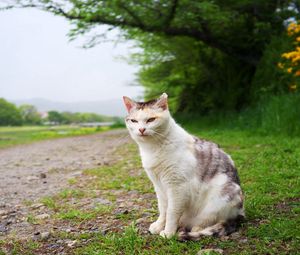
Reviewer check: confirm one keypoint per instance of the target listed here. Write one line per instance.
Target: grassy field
(10, 136)
(269, 168)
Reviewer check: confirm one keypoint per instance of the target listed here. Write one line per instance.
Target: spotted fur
(196, 182)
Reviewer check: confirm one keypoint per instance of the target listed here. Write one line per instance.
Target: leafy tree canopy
(9, 114)
(30, 114)
(204, 53)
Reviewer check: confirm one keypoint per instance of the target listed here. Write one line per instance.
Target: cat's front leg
(176, 206)
(157, 226)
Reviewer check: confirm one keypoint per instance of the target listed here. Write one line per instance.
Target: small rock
(3, 212)
(140, 220)
(32, 178)
(45, 235)
(121, 205)
(3, 228)
(244, 240)
(36, 206)
(235, 235)
(42, 216)
(78, 173)
(43, 175)
(106, 163)
(209, 251)
(71, 243)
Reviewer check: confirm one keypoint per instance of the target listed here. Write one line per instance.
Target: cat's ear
(162, 102)
(129, 103)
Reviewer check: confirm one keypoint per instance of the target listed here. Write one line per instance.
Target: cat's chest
(173, 160)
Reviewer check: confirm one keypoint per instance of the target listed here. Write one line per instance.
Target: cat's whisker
(164, 137)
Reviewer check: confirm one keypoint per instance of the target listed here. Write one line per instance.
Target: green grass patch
(10, 136)
(269, 169)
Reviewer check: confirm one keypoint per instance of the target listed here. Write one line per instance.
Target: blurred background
(233, 64)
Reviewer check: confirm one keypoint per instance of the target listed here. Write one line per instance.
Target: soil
(30, 172)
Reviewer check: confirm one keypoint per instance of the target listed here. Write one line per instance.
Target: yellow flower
(297, 73)
(289, 70)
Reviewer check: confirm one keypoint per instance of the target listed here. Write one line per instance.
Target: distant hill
(113, 107)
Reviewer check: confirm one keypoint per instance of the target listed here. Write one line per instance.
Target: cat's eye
(133, 120)
(150, 120)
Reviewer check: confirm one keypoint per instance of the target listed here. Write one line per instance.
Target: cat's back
(212, 161)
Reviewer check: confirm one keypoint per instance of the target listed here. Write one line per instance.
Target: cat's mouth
(143, 135)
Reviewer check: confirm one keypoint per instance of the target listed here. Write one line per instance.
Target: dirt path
(29, 172)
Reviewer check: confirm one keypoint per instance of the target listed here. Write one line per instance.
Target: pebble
(32, 178)
(140, 220)
(36, 206)
(71, 243)
(235, 235)
(3, 228)
(3, 212)
(45, 235)
(42, 216)
(245, 240)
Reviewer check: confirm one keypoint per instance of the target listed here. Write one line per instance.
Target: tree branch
(203, 34)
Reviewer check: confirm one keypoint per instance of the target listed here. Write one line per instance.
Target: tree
(30, 114)
(232, 35)
(9, 114)
(56, 117)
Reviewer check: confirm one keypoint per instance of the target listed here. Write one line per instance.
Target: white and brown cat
(196, 183)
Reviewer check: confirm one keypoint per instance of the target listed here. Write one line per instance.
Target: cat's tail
(217, 230)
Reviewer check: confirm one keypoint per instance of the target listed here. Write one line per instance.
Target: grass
(269, 168)
(278, 115)
(10, 136)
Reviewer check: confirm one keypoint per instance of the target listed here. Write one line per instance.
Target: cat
(196, 183)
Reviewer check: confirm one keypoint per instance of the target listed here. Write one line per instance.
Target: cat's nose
(142, 130)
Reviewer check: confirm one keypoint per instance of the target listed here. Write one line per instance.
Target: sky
(38, 61)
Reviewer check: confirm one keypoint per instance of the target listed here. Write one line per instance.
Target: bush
(271, 115)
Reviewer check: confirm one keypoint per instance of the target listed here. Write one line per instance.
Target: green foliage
(21, 135)
(9, 114)
(77, 117)
(30, 115)
(269, 78)
(278, 115)
(56, 117)
(208, 55)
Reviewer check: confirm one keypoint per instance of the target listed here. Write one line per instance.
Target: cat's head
(147, 120)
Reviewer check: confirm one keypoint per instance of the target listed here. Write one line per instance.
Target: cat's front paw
(156, 227)
(167, 234)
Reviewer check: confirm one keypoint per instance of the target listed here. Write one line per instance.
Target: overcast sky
(37, 61)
